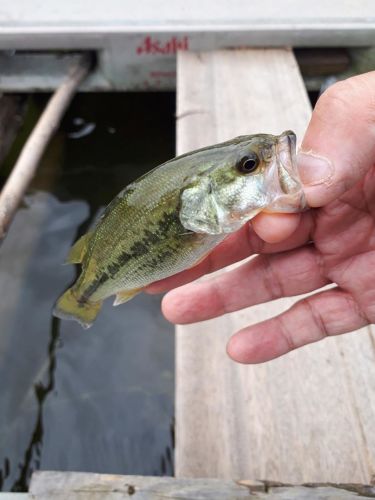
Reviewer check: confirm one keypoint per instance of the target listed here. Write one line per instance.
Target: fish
(172, 217)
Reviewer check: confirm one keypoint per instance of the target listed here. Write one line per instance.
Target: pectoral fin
(78, 250)
(125, 295)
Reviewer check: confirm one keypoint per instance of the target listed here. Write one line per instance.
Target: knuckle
(317, 319)
(336, 99)
(219, 299)
(353, 305)
(271, 279)
(287, 334)
(355, 95)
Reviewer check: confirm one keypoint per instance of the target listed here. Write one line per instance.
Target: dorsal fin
(78, 250)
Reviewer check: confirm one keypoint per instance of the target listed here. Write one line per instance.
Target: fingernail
(314, 169)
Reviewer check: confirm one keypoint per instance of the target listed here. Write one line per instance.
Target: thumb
(339, 145)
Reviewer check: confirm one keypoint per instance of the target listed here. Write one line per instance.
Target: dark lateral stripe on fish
(91, 289)
(137, 250)
(150, 238)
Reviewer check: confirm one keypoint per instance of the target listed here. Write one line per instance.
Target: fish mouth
(286, 162)
(289, 196)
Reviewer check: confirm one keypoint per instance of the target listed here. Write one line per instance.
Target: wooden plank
(91, 486)
(14, 496)
(87, 486)
(307, 416)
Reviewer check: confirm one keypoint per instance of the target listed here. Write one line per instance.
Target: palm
(344, 238)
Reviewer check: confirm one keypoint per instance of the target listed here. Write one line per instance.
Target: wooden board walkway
(86, 486)
(309, 416)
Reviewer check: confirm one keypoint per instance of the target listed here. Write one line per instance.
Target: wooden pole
(27, 163)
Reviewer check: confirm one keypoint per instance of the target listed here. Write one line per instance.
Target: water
(99, 400)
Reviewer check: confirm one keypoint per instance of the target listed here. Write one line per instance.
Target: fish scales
(131, 263)
(170, 218)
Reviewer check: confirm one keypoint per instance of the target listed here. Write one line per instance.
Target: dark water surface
(97, 400)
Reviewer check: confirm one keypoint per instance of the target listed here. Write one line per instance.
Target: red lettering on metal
(153, 46)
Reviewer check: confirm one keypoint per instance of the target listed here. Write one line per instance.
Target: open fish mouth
(288, 195)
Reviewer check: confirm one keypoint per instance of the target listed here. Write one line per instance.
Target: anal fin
(78, 250)
(125, 295)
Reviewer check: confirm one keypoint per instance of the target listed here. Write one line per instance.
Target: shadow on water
(71, 400)
(31, 459)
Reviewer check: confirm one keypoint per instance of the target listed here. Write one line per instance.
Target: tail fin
(68, 307)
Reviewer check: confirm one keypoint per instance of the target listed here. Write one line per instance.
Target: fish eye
(248, 163)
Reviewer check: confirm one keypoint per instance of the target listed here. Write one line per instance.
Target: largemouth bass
(172, 217)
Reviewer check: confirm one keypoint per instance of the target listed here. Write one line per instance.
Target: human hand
(333, 242)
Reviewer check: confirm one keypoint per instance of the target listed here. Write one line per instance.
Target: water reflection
(32, 455)
(98, 400)
(82, 128)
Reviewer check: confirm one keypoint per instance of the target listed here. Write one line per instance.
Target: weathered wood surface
(85, 486)
(309, 416)
(14, 496)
